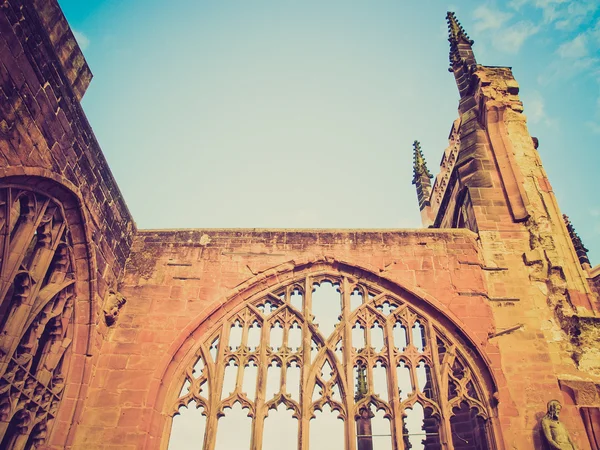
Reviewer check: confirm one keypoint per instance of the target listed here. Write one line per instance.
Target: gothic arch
(47, 307)
(193, 345)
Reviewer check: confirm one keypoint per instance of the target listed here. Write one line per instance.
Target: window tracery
(37, 295)
(419, 388)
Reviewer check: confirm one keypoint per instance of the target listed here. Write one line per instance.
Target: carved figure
(555, 432)
(112, 305)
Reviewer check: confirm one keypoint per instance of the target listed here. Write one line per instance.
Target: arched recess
(46, 309)
(464, 215)
(420, 348)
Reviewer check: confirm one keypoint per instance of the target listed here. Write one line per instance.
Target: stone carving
(112, 306)
(37, 296)
(555, 432)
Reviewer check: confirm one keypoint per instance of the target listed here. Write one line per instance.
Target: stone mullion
(284, 360)
(22, 239)
(245, 350)
(305, 396)
(369, 354)
(245, 329)
(348, 365)
(442, 391)
(5, 237)
(259, 405)
(215, 389)
(392, 378)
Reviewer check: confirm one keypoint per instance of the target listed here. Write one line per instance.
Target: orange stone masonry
(102, 323)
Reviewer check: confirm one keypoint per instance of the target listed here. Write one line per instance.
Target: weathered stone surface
(499, 272)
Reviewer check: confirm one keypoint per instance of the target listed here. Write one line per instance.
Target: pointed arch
(50, 326)
(382, 294)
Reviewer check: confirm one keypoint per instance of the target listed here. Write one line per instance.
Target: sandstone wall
(44, 132)
(176, 279)
(47, 146)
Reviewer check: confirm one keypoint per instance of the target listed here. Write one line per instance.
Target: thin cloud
(535, 109)
(489, 19)
(512, 38)
(577, 13)
(593, 126)
(576, 48)
(560, 70)
(81, 39)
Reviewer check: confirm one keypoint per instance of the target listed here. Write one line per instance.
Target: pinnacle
(577, 242)
(419, 164)
(455, 30)
(459, 54)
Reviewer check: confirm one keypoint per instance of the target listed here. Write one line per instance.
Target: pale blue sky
(302, 113)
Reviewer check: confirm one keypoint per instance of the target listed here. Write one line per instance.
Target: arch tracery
(409, 360)
(37, 300)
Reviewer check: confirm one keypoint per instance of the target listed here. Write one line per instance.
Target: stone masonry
(101, 323)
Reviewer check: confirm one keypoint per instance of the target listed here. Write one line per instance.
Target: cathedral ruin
(479, 331)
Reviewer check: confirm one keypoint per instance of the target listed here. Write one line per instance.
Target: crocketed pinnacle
(579, 247)
(457, 36)
(419, 165)
(361, 384)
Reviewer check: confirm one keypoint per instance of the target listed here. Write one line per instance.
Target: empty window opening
(281, 429)
(234, 429)
(326, 306)
(273, 380)
(326, 430)
(235, 336)
(229, 380)
(377, 341)
(250, 376)
(188, 428)
(276, 336)
(400, 339)
(254, 336)
(296, 299)
(356, 299)
(418, 336)
(295, 337)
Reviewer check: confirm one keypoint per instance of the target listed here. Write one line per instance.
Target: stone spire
(579, 247)
(462, 59)
(421, 176)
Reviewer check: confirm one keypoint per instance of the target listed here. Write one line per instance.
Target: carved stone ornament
(37, 297)
(112, 306)
(554, 431)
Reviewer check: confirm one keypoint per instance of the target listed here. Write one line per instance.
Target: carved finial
(456, 32)
(419, 164)
(421, 176)
(579, 247)
(361, 382)
(462, 59)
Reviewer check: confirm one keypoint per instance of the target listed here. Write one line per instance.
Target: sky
(301, 114)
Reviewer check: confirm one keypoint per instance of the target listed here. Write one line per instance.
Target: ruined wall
(48, 147)
(176, 279)
(536, 284)
(44, 132)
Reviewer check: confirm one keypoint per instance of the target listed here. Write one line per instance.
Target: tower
(492, 181)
